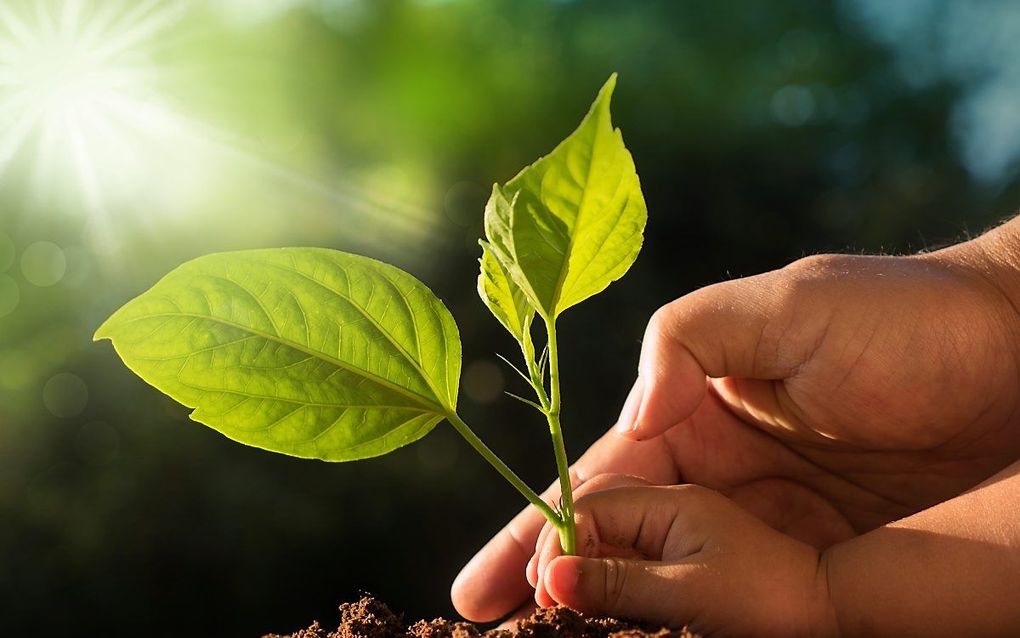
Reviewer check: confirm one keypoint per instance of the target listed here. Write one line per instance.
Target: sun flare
(88, 120)
(76, 93)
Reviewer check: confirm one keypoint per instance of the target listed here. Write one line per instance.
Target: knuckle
(577, 476)
(659, 321)
(698, 306)
(814, 266)
(601, 482)
(607, 486)
(583, 502)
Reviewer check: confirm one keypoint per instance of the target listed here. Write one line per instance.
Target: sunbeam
(68, 72)
(81, 109)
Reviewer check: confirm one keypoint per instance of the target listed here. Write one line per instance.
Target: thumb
(728, 329)
(647, 590)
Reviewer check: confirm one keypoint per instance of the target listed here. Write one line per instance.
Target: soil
(370, 618)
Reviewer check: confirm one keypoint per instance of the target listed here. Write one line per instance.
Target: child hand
(685, 555)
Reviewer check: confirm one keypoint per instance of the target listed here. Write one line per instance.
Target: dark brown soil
(369, 618)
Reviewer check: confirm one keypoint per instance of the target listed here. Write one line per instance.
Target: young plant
(322, 354)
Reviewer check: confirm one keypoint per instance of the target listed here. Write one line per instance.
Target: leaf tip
(102, 332)
(605, 95)
(611, 82)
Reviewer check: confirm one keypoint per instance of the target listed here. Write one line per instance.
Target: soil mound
(370, 618)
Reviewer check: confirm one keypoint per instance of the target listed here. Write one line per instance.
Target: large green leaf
(576, 216)
(305, 351)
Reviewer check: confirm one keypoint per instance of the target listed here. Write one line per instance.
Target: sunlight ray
(22, 34)
(15, 136)
(44, 22)
(141, 30)
(45, 157)
(95, 28)
(91, 188)
(69, 17)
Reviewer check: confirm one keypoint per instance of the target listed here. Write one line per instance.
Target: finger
(493, 583)
(656, 522)
(553, 548)
(650, 591)
(728, 329)
(547, 529)
(531, 571)
(549, 550)
(549, 541)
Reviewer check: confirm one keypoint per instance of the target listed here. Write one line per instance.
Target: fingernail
(628, 415)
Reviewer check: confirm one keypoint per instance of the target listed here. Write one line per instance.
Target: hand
(843, 392)
(686, 555)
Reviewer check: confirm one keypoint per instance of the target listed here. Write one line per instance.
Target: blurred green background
(136, 135)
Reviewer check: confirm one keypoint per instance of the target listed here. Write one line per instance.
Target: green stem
(465, 431)
(568, 539)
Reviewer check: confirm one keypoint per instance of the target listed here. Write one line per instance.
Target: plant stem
(568, 539)
(465, 431)
(535, 378)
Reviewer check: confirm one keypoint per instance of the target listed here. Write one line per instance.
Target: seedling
(322, 354)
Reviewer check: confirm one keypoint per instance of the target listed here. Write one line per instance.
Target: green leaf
(576, 216)
(305, 351)
(503, 296)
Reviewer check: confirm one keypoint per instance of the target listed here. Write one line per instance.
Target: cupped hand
(826, 398)
(686, 555)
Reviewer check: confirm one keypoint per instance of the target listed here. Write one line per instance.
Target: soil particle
(440, 628)
(369, 618)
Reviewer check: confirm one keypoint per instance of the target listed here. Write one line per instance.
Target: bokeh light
(43, 263)
(483, 381)
(65, 395)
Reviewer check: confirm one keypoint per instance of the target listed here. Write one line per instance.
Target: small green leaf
(498, 212)
(576, 216)
(304, 351)
(503, 296)
(497, 226)
(513, 367)
(525, 401)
